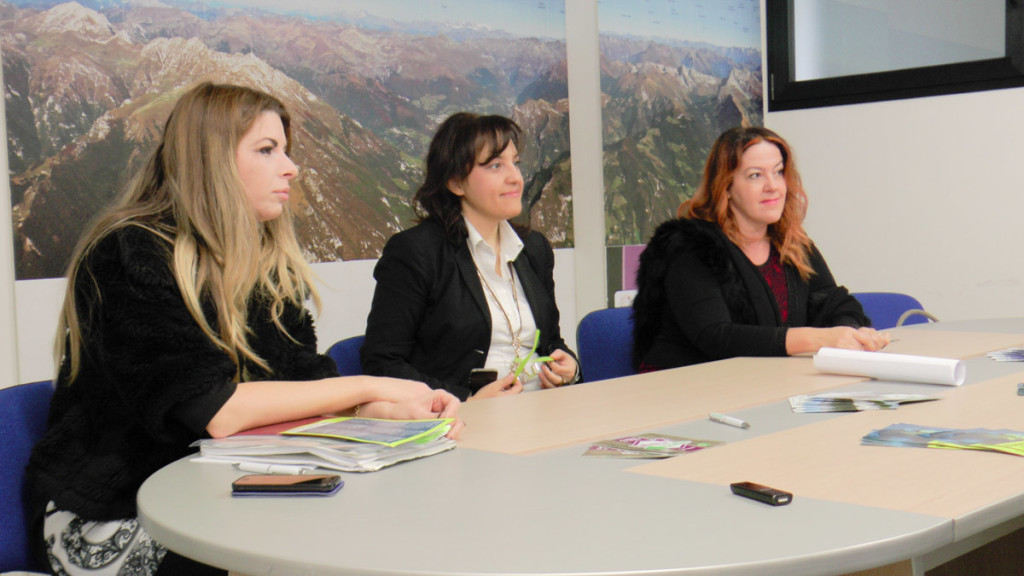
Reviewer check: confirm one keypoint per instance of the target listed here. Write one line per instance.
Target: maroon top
(775, 275)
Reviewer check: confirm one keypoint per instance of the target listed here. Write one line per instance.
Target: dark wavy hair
(711, 200)
(454, 150)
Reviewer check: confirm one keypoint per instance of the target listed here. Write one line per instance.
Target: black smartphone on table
(761, 493)
(287, 485)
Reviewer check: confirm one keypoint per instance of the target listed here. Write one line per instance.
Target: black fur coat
(700, 299)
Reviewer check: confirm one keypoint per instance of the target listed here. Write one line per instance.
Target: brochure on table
(369, 444)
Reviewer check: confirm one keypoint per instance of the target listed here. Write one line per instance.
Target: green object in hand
(522, 363)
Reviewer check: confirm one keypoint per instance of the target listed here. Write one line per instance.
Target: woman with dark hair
(184, 318)
(735, 274)
(462, 296)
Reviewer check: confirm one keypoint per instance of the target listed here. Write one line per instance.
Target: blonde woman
(183, 319)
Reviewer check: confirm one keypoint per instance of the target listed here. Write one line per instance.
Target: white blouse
(506, 301)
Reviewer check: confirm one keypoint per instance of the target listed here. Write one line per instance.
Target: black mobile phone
(761, 493)
(287, 485)
(479, 377)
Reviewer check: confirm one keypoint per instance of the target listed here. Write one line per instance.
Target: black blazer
(429, 320)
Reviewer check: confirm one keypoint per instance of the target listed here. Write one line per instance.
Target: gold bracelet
(356, 413)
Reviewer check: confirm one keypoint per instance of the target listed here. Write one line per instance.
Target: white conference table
(517, 497)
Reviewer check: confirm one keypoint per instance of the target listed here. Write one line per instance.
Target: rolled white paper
(885, 366)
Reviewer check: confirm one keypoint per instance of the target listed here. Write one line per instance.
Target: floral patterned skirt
(116, 548)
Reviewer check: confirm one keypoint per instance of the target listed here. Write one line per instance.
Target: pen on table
(729, 420)
(272, 468)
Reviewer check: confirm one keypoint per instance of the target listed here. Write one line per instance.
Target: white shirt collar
(508, 241)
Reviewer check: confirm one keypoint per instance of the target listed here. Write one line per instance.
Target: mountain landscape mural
(674, 75)
(88, 85)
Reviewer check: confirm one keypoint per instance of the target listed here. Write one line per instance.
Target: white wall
(587, 167)
(8, 328)
(923, 196)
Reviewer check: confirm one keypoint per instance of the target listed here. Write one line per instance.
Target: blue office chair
(346, 355)
(23, 411)
(892, 309)
(605, 342)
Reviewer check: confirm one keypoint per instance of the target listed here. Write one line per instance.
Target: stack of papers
(1007, 355)
(852, 402)
(344, 444)
(374, 431)
(1005, 441)
(648, 446)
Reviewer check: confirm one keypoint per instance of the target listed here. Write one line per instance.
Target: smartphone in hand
(480, 377)
(287, 485)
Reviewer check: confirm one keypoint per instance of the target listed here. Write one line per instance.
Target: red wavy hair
(711, 200)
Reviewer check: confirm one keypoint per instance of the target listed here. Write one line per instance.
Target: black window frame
(785, 93)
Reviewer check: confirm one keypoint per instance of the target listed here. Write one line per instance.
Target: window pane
(845, 37)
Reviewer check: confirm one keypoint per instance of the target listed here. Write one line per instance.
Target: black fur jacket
(700, 299)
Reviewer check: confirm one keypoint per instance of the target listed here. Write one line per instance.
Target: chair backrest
(605, 342)
(346, 355)
(886, 308)
(23, 411)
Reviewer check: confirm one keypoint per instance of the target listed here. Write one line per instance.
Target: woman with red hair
(736, 274)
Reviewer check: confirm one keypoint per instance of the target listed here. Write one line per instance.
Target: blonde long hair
(190, 194)
(711, 200)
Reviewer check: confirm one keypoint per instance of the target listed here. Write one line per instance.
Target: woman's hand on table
(426, 406)
(863, 338)
(809, 340)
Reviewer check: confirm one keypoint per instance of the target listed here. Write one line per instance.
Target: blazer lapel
(531, 287)
(467, 268)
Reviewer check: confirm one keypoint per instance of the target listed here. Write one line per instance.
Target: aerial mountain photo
(674, 75)
(88, 84)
